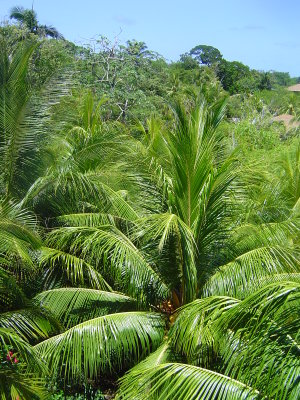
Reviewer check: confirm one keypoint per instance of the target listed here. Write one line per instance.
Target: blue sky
(264, 34)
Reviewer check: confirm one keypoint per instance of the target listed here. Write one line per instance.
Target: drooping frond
(18, 236)
(253, 285)
(48, 30)
(11, 296)
(24, 119)
(256, 339)
(75, 269)
(87, 219)
(65, 190)
(124, 262)
(107, 343)
(32, 324)
(262, 347)
(17, 13)
(75, 305)
(113, 207)
(252, 266)
(29, 355)
(14, 386)
(182, 382)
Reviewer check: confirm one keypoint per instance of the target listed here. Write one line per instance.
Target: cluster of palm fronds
(155, 253)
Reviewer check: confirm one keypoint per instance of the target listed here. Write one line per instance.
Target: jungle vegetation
(149, 230)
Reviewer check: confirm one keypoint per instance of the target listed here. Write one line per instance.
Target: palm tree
(169, 279)
(24, 119)
(191, 269)
(28, 19)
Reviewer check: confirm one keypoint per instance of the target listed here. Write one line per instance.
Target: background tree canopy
(207, 55)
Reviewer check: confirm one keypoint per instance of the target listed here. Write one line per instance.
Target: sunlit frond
(184, 382)
(252, 266)
(75, 305)
(192, 334)
(124, 262)
(31, 324)
(107, 343)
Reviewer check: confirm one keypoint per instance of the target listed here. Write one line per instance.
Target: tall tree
(207, 55)
(28, 19)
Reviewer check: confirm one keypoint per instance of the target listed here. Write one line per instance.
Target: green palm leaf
(18, 236)
(124, 262)
(182, 382)
(256, 338)
(14, 386)
(75, 269)
(264, 349)
(163, 228)
(107, 343)
(75, 305)
(11, 296)
(192, 334)
(31, 324)
(32, 362)
(26, 381)
(22, 119)
(252, 266)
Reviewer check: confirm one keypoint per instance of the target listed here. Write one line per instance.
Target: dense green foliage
(149, 223)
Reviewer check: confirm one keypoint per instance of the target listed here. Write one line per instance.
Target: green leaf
(124, 262)
(31, 324)
(105, 344)
(75, 305)
(250, 267)
(182, 382)
(76, 269)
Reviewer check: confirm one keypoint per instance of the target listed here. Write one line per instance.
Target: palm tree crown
(28, 18)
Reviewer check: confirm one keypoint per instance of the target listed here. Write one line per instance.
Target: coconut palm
(25, 129)
(28, 19)
(193, 252)
(176, 272)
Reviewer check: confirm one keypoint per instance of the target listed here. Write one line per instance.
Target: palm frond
(75, 305)
(192, 334)
(107, 343)
(254, 340)
(18, 236)
(124, 262)
(75, 269)
(26, 382)
(31, 324)
(263, 347)
(11, 296)
(183, 382)
(252, 266)
(14, 386)
(164, 354)
(30, 358)
(162, 228)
